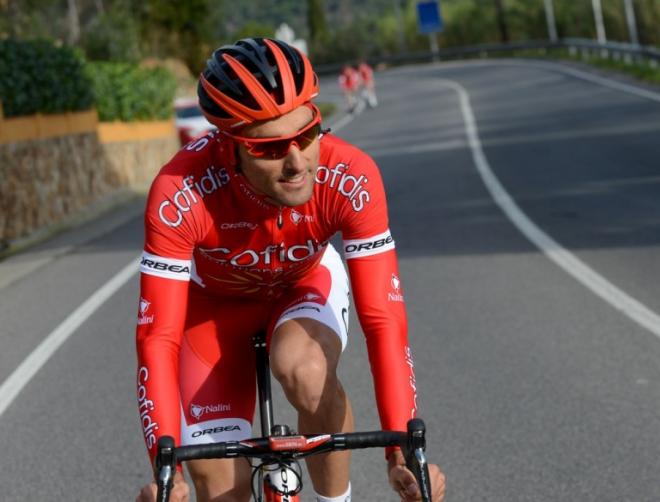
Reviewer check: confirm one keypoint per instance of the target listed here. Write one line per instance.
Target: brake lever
(414, 452)
(165, 466)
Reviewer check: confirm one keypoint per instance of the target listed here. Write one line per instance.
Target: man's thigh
(217, 368)
(322, 297)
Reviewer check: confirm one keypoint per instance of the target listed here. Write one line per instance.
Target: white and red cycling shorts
(217, 360)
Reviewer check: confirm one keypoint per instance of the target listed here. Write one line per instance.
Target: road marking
(617, 298)
(32, 364)
(346, 119)
(544, 65)
(612, 84)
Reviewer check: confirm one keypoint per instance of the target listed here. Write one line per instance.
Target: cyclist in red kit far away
(368, 84)
(237, 230)
(349, 82)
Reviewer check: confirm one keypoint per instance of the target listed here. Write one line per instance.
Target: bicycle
(279, 475)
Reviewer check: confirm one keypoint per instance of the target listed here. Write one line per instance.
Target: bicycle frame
(274, 484)
(277, 447)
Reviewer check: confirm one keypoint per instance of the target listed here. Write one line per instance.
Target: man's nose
(294, 159)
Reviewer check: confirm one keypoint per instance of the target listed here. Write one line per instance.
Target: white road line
(543, 65)
(32, 364)
(612, 84)
(617, 298)
(346, 119)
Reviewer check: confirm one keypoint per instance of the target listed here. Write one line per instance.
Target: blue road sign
(428, 17)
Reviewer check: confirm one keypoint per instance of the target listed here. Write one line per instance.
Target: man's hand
(180, 491)
(403, 481)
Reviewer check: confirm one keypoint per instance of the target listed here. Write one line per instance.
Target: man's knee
(304, 357)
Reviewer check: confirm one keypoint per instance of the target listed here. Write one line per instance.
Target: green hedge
(127, 92)
(36, 77)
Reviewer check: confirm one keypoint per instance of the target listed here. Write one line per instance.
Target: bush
(37, 77)
(128, 93)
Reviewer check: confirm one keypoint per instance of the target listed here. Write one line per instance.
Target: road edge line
(579, 270)
(31, 365)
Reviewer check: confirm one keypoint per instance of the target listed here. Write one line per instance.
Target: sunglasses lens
(271, 149)
(277, 149)
(307, 137)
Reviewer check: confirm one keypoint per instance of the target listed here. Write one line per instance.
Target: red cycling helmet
(254, 79)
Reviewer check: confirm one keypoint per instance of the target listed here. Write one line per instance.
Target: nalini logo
(297, 217)
(309, 297)
(144, 306)
(396, 296)
(197, 411)
(144, 318)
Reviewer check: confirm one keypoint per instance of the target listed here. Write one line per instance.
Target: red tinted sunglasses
(277, 148)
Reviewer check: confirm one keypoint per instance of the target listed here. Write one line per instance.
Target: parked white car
(189, 120)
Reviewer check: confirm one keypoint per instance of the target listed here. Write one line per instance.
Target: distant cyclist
(368, 84)
(237, 230)
(349, 82)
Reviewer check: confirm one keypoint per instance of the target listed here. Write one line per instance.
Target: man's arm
(161, 319)
(378, 297)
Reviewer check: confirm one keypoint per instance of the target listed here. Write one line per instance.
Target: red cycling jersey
(204, 223)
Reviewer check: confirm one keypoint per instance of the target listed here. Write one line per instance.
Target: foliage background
(121, 37)
(38, 77)
(336, 30)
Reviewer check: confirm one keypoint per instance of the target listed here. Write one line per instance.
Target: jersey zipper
(276, 238)
(280, 219)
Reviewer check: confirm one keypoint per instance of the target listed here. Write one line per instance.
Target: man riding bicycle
(237, 229)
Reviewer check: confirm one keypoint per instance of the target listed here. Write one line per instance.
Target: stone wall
(45, 182)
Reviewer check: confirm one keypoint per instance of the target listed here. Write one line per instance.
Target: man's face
(288, 181)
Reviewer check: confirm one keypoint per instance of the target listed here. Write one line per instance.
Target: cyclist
(237, 229)
(368, 84)
(349, 82)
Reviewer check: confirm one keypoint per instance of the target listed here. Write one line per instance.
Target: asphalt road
(534, 386)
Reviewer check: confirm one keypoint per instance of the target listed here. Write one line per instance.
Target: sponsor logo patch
(171, 210)
(395, 295)
(143, 318)
(198, 411)
(412, 381)
(380, 243)
(216, 430)
(145, 407)
(354, 189)
(297, 217)
(170, 268)
(265, 257)
(238, 226)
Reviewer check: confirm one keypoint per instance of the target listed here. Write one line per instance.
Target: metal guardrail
(616, 50)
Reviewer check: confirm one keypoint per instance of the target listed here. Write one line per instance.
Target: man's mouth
(294, 180)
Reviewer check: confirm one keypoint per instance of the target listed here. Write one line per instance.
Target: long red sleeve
(379, 303)
(159, 333)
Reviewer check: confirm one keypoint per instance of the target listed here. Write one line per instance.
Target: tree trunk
(501, 21)
(74, 23)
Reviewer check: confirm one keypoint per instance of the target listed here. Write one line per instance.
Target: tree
(177, 29)
(501, 21)
(318, 29)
